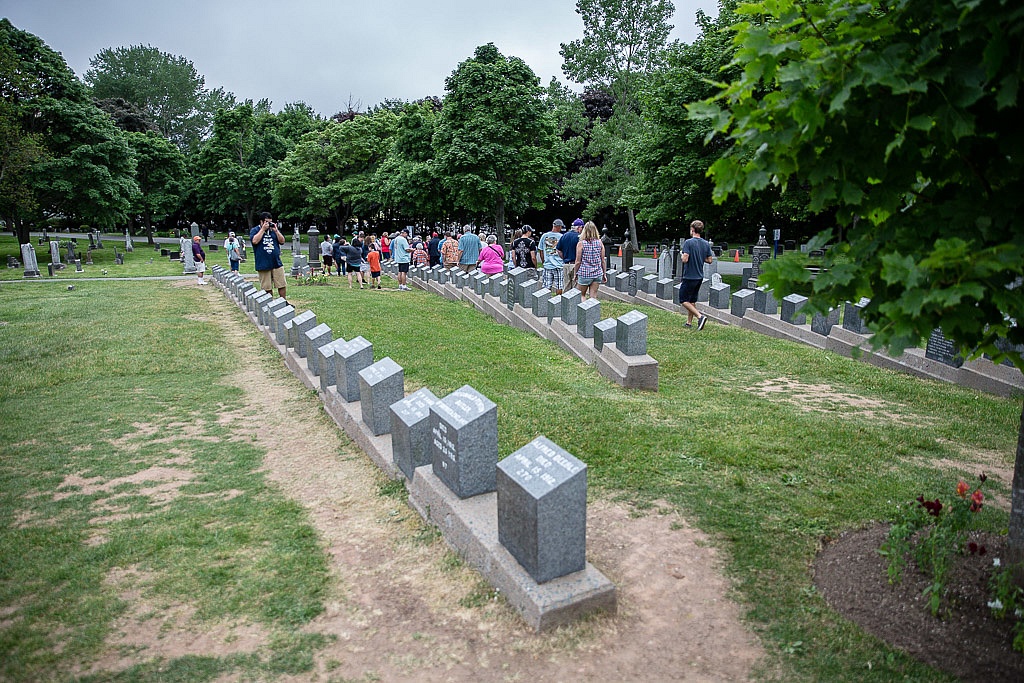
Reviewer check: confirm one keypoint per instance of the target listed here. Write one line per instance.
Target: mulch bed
(965, 640)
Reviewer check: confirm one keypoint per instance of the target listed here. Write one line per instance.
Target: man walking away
(696, 252)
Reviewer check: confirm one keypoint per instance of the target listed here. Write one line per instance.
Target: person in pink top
(492, 257)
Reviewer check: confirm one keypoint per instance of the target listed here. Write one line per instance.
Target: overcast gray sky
(321, 52)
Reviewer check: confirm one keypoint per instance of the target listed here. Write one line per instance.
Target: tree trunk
(632, 230)
(1015, 539)
(22, 230)
(149, 228)
(499, 217)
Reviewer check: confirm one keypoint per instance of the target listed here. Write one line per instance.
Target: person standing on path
(589, 262)
(696, 252)
(233, 247)
(449, 251)
(492, 257)
(266, 241)
(551, 260)
(401, 255)
(327, 253)
(200, 258)
(524, 250)
(567, 250)
(469, 249)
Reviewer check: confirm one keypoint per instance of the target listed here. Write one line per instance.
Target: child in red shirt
(373, 258)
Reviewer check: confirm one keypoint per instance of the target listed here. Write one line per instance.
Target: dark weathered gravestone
(790, 312)
(604, 332)
(410, 431)
(631, 334)
(542, 509)
(315, 338)
(633, 284)
(761, 253)
(349, 359)
(569, 301)
(380, 385)
(851, 317)
(741, 301)
(823, 324)
(464, 442)
(588, 313)
(942, 349)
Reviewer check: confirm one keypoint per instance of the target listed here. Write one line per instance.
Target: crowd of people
(567, 258)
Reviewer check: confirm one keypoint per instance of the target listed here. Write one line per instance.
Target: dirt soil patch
(966, 641)
(403, 608)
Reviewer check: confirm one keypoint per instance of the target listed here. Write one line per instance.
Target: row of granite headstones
(31, 262)
(541, 488)
(521, 286)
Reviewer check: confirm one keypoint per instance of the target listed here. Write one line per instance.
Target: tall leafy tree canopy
(623, 43)
(495, 139)
(167, 87)
(59, 154)
(905, 116)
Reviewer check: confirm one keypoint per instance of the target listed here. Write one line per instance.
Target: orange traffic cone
(655, 252)
(620, 252)
(737, 258)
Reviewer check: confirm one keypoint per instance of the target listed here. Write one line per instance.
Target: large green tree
(407, 178)
(495, 141)
(331, 172)
(672, 160)
(905, 117)
(167, 87)
(61, 154)
(160, 175)
(623, 42)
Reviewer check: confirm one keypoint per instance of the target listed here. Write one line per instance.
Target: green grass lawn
(767, 476)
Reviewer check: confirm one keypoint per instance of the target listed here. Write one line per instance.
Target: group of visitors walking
(573, 257)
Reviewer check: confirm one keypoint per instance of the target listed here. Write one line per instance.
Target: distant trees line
(141, 143)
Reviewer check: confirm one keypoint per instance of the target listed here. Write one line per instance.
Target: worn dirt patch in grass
(824, 398)
(402, 607)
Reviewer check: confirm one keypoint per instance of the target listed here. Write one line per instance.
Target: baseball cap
(337, 237)
(578, 223)
(559, 223)
(231, 234)
(527, 228)
(404, 231)
(197, 238)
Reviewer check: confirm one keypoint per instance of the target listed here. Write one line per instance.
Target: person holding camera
(266, 241)
(233, 247)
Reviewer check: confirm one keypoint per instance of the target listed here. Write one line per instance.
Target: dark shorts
(328, 260)
(688, 291)
(351, 269)
(403, 267)
(375, 274)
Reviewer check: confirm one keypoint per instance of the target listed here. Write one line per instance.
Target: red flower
(977, 498)
(962, 488)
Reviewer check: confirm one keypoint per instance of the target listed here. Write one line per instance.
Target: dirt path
(404, 609)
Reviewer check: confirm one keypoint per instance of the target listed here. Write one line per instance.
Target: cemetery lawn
(124, 473)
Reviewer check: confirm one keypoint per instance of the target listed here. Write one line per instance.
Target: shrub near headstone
(464, 442)
(542, 509)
